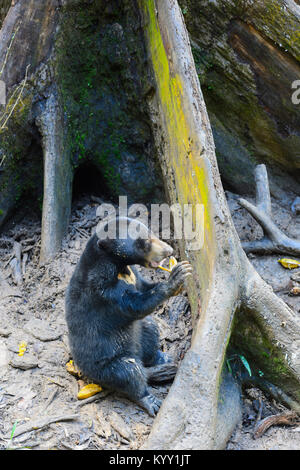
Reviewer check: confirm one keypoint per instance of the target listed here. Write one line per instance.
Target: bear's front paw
(178, 275)
(151, 404)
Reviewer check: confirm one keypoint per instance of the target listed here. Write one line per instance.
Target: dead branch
(96, 397)
(41, 423)
(79, 447)
(50, 399)
(161, 373)
(274, 240)
(289, 418)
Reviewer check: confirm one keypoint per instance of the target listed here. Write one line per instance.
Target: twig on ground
(50, 399)
(78, 447)
(82, 232)
(98, 396)
(289, 418)
(41, 423)
(56, 382)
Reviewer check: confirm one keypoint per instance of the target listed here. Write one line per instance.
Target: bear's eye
(147, 246)
(140, 243)
(143, 245)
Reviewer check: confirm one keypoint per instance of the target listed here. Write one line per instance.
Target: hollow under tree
(237, 307)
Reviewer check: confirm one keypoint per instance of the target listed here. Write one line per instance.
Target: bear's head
(129, 242)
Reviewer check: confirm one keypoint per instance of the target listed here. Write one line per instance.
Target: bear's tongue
(153, 264)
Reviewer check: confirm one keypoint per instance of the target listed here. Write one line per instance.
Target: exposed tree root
(274, 240)
(287, 419)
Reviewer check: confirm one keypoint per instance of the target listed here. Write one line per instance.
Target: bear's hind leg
(151, 355)
(127, 375)
(149, 342)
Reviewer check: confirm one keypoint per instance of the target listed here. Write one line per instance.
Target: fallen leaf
(88, 391)
(289, 263)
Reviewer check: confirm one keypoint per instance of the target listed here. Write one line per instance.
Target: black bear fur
(112, 338)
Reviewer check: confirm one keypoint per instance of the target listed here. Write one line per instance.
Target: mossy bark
(23, 51)
(90, 57)
(247, 57)
(58, 176)
(100, 74)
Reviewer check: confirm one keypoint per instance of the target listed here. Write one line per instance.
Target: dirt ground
(38, 397)
(37, 386)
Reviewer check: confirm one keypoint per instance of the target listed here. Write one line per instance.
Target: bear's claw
(151, 404)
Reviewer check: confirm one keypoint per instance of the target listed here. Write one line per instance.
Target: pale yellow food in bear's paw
(172, 263)
(88, 391)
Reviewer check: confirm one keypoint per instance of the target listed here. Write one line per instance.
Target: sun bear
(113, 340)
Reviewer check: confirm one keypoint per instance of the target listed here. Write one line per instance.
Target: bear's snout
(159, 251)
(168, 250)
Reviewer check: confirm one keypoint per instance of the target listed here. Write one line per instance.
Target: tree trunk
(65, 96)
(35, 125)
(235, 301)
(74, 73)
(247, 52)
(58, 176)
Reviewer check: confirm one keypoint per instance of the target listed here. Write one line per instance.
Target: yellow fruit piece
(71, 368)
(164, 269)
(172, 264)
(289, 263)
(22, 348)
(88, 391)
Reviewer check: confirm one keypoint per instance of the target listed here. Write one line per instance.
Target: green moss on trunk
(251, 340)
(100, 71)
(247, 56)
(20, 151)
